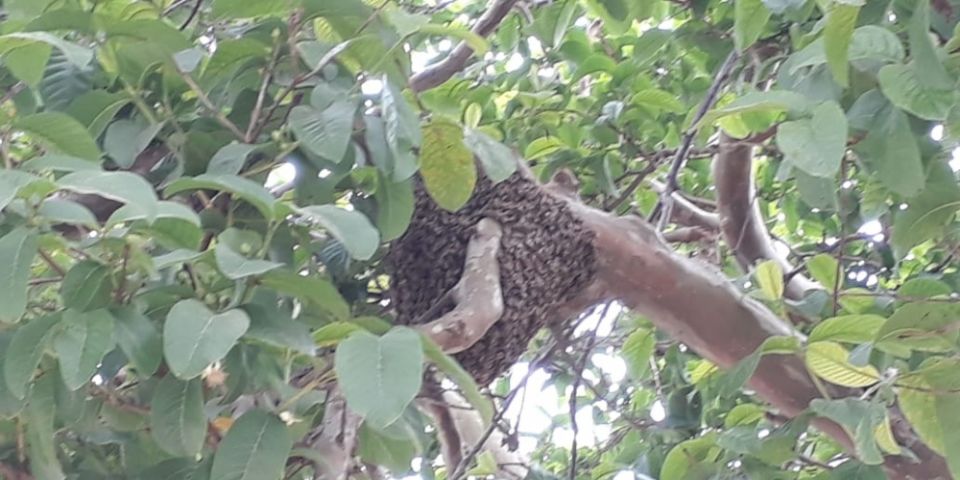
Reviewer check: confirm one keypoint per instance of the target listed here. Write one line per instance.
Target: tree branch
(741, 221)
(440, 72)
(478, 294)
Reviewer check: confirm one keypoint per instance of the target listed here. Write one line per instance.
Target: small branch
(205, 101)
(685, 212)
(192, 15)
(578, 377)
(442, 71)
(666, 200)
(52, 263)
(687, 235)
(478, 294)
(261, 95)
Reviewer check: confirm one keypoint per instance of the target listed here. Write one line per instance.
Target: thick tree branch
(685, 212)
(337, 441)
(722, 325)
(741, 221)
(478, 294)
(440, 72)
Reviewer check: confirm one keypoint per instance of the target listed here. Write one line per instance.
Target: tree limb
(337, 441)
(478, 294)
(440, 72)
(741, 221)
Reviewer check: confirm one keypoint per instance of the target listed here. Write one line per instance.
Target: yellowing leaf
(770, 277)
(884, 436)
(830, 361)
(446, 165)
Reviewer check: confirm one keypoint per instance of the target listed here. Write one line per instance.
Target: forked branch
(478, 295)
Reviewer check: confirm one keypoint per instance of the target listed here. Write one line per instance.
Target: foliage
(165, 338)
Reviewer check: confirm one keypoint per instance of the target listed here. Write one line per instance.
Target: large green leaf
(40, 435)
(96, 109)
(81, 341)
(395, 202)
(224, 9)
(177, 421)
(17, 250)
(76, 54)
(904, 86)
(636, 352)
(393, 448)
(326, 132)
(26, 349)
(770, 278)
(892, 151)
(927, 213)
(139, 339)
(837, 34)
(315, 291)
(87, 286)
(125, 187)
(497, 160)
(125, 139)
(930, 71)
(351, 228)
(815, 145)
(271, 325)
(61, 133)
(380, 376)
(402, 131)
(694, 459)
(194, 337)
(245, 189)
(848, 328)
(869, 42)
(750, 19)
(235, 266)
(446, 165)
(256, 447)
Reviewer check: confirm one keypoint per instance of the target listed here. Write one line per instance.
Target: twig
(261, 95)
(192, 15)
(578, 377)
(53, 264)
(205, 101)
(665, 204)
(457, 59)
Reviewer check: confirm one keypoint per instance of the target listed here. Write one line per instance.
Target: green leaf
(402, 130)
(61, 133)
(636, 352)
(947, 407)
(316, 291)
(891, 149)
(823, 268)
(28, 62)
(770, 278)
(242, 188)
(446, 165)
(75, 54)
(691, 460)
(60, 163)
(126, 139)
(326, 132)
(87, 286)
(17, 250)
(815, 145)
(734, 379)
(543, 146)
(860, 419)
(81, 341)
(767, 101)
(817, 192)
(930, 71)
(25, 351)
(230, 159)
(395, 204)
(380, 376)
(96, 109)
(468, 386)
(659, 99)
(235, 266)
(177, 421)
(904, 87)
(139, 339)
(392, 449)
(837, 35)
(922, 326)
(40, 435)
(234, 9)
(351, 228)
(256, 447)
(124, 187)
(929, 212)
(749, 21)
(830, 361)
(56, 210)
(594, 63)
(271, 325)
(869, 42)
(497, 160)
(847, 328)
(194, 337)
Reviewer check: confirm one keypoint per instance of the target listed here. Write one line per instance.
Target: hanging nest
(546, 257)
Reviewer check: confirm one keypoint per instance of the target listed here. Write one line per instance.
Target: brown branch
(337, 441)
(742, 223)
(685, 212)
(440, 72)
(478, 294)
(687, 235)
